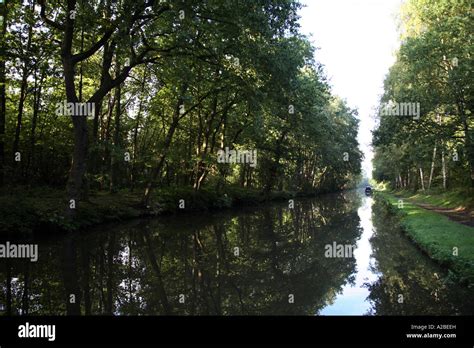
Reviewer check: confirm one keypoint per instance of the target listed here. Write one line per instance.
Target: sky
(356, 42)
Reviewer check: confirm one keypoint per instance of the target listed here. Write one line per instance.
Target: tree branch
(76, 58)
(48, 21)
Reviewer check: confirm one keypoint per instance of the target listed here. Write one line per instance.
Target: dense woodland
(171, 83)
(434, 67)
(156, 90)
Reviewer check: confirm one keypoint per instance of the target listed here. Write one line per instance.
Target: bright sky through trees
(357, 40)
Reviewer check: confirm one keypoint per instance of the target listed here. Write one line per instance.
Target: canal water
(261, 260)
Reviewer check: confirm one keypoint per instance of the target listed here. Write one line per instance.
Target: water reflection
(352, 299)
(256, 261)
(410, 283)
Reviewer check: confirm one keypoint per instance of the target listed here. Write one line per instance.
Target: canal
(261, 260)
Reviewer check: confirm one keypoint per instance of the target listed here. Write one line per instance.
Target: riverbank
(447, 242)
(457, 205)
(24, 211)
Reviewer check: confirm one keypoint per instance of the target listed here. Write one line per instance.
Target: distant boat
(368, 190)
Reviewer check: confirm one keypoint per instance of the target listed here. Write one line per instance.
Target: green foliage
(172, 84)
(433, 68)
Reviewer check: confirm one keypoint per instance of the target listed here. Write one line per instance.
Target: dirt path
(463, 216)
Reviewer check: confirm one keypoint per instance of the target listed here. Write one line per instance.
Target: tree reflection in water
(245, 262)
(410, 283)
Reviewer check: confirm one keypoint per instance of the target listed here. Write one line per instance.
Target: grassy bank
(23, 210)
(454, 199)
(437, 235)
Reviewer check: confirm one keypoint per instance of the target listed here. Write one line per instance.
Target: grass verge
(447, 242)
(454, 199)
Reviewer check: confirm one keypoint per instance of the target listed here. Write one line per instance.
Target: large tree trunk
(75, 185)
(109, 50)
(76, 179)
(76, 188)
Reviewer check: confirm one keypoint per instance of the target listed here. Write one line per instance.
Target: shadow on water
(254, 261)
